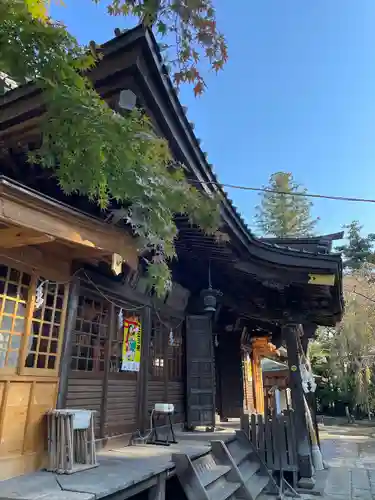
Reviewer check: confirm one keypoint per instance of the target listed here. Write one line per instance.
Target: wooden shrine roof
(133, 61)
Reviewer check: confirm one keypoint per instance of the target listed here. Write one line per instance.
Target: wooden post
(66, 353)
(245, 424)
(142, 400)
(258, 390)
(290, 333)
(107, 354)
(259, 349)
(158, 491)
(248, 389)
(166, 368)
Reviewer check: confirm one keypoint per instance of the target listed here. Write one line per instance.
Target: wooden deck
(123, 472)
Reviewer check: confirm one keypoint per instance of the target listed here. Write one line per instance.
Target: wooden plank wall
(23, 404)
(120, 398)
(176, 396)
(85, 392)
(121, 417)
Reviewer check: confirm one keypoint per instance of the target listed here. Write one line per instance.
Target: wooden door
(230, 369)
(30, 347)
(200, 372)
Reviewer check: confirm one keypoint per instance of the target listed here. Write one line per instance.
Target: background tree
(126, 162)
(345, 355)
(280, 213)
(358, 249)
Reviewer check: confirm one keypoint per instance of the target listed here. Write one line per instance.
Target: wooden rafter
(13, 237)
(33, 214)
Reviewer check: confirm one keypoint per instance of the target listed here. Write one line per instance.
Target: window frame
(15, 370)
(43, 372)
(176, 353)
(158, 350)
(86, 294)
(20, 369)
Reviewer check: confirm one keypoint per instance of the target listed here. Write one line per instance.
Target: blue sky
(297, 95)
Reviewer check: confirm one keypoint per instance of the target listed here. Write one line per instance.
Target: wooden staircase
(231, 470)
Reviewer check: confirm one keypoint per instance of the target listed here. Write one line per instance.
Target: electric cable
(287, 193)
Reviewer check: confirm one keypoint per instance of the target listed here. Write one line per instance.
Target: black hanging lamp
(209, 295)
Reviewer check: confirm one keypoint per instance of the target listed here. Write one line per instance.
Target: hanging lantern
(209, 295)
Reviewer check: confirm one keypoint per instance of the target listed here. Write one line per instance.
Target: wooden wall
(89, 340)
(30, 349)
(121, 417)
(96, 381)
(166, 381)
(121, 396)
(85, 392)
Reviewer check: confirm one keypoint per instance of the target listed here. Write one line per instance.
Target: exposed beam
(23, 207)
(14, 237)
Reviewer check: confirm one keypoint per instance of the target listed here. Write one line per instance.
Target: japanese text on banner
(131, 350)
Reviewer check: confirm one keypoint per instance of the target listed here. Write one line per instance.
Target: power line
(274, 191)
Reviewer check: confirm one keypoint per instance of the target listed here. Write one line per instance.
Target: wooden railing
(274, 439)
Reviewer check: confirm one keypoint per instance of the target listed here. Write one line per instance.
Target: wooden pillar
(290, 333)
(112, 325)
(142, 399)
(261, 347)
(248, 404)
(166, 369)
(258, 390)
(66, 353)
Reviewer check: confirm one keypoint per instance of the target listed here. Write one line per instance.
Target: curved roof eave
(202, 170)
(209, 176)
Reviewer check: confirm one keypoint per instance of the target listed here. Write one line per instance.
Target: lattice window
(91, 335)
(176, 352)
(14, 294)
(157, 347)
(46, 328)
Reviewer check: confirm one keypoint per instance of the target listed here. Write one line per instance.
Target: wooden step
(248, 468)
(238, 452)
(256, 484)
(222, 490)
(209, 476)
